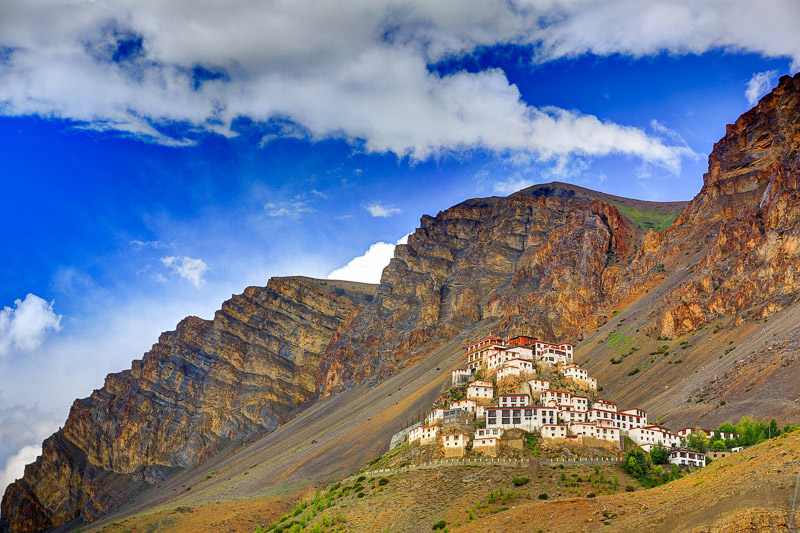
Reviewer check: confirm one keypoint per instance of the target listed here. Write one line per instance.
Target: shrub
(543, 496)
(659, 454)
(634, 371)
(521, 480)
(635, 464)
(361, 478)
(441, 524)
(383, 481)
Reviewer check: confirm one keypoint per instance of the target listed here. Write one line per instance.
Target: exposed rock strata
(204, 383)
(746, 220)
(543, 261)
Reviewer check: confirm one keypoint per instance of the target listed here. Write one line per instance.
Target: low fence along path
(489, 461)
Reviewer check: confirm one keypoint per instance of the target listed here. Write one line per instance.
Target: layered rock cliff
(745, 220)
(205, 383)
(546, 261)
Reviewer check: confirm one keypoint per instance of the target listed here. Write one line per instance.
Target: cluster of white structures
(535, 407)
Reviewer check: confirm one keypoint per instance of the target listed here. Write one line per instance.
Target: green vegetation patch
(656, 219)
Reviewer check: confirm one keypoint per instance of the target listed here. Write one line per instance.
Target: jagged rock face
(200, 385)
(538, 262)
(533, 263)
(745, 217)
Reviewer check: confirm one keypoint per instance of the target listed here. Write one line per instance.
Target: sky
(158, 156)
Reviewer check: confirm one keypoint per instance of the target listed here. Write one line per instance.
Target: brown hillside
(749, 491)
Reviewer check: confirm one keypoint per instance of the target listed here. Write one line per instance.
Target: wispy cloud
(378, 209)
(284, 130)
(158, 245)
(25, 325)
(192, 270)
(292, 209)
(759, 85)
(512, 184)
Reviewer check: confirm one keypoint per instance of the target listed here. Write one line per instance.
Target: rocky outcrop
(539, 262)
(744, 220)
(205, 383)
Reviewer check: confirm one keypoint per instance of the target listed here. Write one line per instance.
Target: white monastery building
(480, 390)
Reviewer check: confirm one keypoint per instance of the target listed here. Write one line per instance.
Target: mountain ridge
(553, 261)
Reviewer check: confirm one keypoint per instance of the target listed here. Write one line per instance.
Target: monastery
(494, 364)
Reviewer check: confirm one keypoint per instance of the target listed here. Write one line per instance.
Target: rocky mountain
(202, 385)
(544, 261)
(638, 284)
(745, 219)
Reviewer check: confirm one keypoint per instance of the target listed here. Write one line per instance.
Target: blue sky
(158, 157)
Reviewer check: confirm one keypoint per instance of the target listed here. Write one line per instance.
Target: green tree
(774, 431)
(659, 454)
(718, 445)
(696, 440)
(636, 464)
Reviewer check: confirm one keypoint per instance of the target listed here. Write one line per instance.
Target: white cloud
(638, 29)
(377, 209)
(759, 85)
(188, 268)
(15, 465)
(511, 185)
(367, 268)
(25, 325)
(354, 70)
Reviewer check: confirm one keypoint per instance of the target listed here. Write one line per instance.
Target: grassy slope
(749, 491)
(655, 217)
